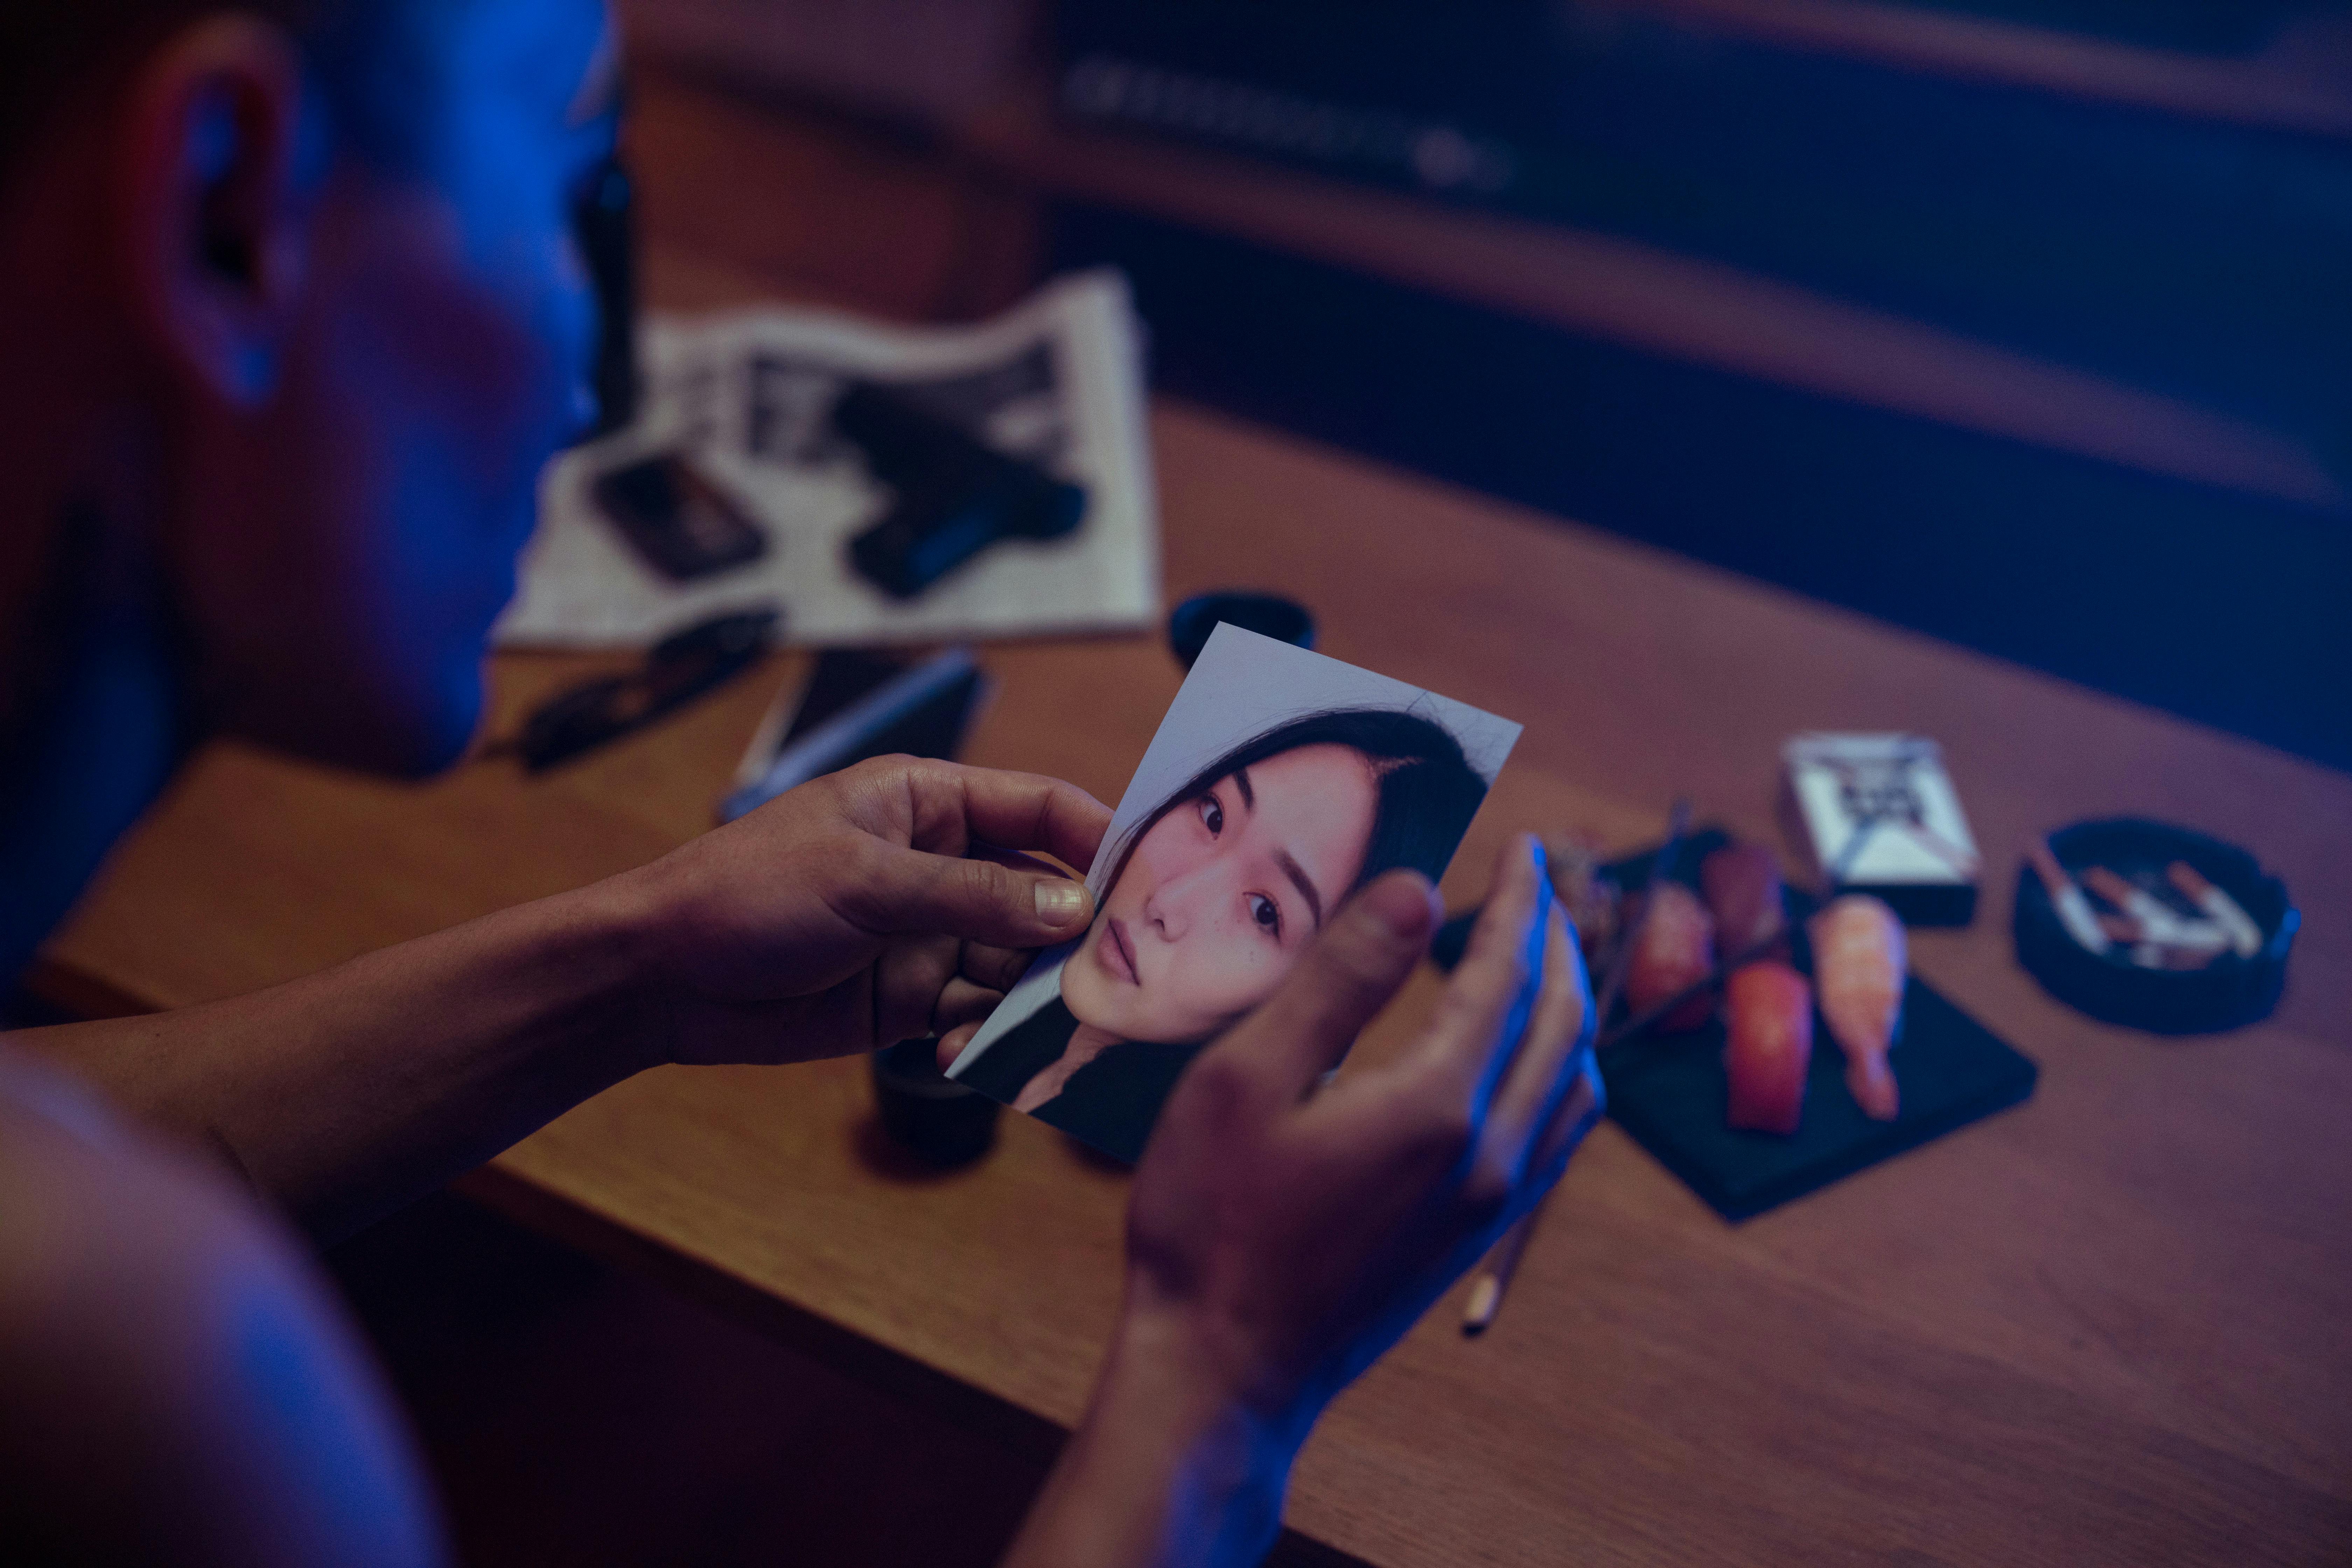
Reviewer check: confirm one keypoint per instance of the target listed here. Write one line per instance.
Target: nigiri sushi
(1742, 884)
(1768, 1016)
(1674, 948)
(1858, 958)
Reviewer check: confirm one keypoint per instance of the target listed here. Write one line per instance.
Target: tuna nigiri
(1742, 884)
(1673, 948)
(1858, 963)
(1768, 1014)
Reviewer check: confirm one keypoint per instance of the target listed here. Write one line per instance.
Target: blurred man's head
(291, 316)
(298, 283)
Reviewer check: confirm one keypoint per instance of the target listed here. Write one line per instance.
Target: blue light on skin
(310, 1416)
(337, 539)
(452, 359)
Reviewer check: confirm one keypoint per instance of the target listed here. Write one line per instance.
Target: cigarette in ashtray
(2121, 930)
(2155, 921)
(2066, 897)
(2199, 936)
(2166, 955)
(2245, 936)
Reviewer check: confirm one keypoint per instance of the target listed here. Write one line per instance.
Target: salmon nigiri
(1768, 1013)
(1858, 964)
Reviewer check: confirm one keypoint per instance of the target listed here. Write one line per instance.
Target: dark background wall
(2217, 606)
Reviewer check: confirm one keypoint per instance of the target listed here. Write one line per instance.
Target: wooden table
(2106, 1327)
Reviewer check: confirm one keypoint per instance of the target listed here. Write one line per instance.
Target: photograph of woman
(1215, 888)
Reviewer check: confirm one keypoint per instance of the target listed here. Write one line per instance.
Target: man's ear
(212, 219)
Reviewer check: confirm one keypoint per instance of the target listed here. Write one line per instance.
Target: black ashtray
(927, 1113)
(2228, 993)
(1268, 614)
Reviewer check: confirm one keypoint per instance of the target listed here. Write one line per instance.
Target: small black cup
(928, 1115)
(1268, 614)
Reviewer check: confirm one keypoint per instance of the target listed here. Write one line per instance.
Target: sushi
(1674, 949)
(1859, 957)
(1769, 1045)
(1742, 884)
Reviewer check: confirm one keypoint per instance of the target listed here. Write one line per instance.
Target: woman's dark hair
(1427, 789)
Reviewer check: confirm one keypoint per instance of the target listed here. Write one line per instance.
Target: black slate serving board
(1668, 1091)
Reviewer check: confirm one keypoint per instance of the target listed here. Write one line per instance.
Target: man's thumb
(1342, 981)
(916, 893)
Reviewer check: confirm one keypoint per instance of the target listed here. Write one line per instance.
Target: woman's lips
(1113, 951)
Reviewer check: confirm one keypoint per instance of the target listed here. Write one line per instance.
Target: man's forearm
(1166, 1469)
(344, 1094)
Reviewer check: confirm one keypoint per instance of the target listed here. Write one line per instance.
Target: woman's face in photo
(1222, 895)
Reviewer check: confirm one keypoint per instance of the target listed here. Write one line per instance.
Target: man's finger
(1025, 811)
(953, 1043)
(961, 1003)
(1578, 1112)
(998, 968)
(980, 849)
(903, 892)
(1344, 978)
(1485, 1011)
(908, 978)
(1557, 1031)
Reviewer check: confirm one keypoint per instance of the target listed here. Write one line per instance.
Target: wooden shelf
(1656, 302)
(2302, 84)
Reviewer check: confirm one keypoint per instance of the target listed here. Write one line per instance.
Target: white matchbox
(1877, 814)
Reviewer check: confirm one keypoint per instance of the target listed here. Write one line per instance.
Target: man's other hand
(1286, 1233)
(889, 900)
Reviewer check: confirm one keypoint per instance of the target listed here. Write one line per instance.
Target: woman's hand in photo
(880, 903)
(1284, 1232)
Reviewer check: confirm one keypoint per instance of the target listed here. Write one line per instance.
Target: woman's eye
(1213, 816)
(1264, 911)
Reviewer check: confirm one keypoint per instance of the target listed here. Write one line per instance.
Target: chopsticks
(1494, 1276)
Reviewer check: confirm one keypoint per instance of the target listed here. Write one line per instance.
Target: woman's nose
(1176, 903)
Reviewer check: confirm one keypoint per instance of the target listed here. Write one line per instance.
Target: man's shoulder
(179, 1388)
(88, 1211)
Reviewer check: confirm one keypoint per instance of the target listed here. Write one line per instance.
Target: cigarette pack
(1877, 814)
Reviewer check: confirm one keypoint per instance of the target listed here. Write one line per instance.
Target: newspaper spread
(745, 399)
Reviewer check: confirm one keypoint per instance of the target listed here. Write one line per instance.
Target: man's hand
(889, 900)
(1292, 1234)
(838, 918)
(1284, 1232)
